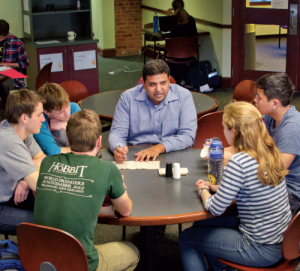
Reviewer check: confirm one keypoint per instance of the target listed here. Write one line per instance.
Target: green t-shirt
(70, 192)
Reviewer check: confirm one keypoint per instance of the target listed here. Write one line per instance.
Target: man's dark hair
(22, 102)
(277, 86)
(154, 67)
(83, 130)
(4, 28)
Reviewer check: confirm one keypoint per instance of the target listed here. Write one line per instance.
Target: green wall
(11, 11)
(217, 46)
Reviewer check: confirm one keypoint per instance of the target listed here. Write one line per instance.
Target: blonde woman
(254, 176)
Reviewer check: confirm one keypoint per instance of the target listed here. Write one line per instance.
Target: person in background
(20, 159)
(254, 176)
(12, 55)
(274, 94)
(57, 111)
(73, 202)
(181, 25)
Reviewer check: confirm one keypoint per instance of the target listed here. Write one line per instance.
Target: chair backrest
(141, 81)
(245, 91)
(182, 47)
(38, 244)
(76, 90)
(44, 76)
(291, 239)
(209, 126)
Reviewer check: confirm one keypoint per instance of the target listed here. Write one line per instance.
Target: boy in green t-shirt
(72, 187)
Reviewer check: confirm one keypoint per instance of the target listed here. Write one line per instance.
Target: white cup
(71, 35)
(176, 171)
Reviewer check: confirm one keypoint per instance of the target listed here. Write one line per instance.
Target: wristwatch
(200, 190)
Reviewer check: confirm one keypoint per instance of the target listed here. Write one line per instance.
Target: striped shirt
(264, 210)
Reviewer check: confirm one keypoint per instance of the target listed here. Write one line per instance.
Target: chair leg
(124, 233)
(5, 236)
(179, 228)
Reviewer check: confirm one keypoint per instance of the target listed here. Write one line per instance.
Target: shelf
(59, 11)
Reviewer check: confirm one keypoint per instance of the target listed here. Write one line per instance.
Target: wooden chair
(182, 50)
(76, 90)
(141, 81)
(153, 39)
(44, 248)
(209, 126)
(44, 76)
(245, 91)
(290, 251)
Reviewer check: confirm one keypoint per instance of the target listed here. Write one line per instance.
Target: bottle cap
(216, 154)
(215, 144)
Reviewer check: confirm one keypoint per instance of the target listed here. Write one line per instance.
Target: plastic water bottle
(155, 23)
(215, 166)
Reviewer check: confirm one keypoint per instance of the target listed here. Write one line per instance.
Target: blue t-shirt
(52, 141)
(287, 139)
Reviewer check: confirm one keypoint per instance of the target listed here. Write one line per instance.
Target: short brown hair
(154, 67)
(22, 102)
(4, 28)
(54, 95)
(83, 130)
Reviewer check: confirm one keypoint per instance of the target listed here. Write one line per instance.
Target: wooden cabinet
(48, 26)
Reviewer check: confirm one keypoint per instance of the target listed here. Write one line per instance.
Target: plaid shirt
(14, 52)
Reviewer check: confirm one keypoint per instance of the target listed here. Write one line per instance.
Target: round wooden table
(159, 200)
(104, 103)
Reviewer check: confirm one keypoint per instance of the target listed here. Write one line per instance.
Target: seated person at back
(254, 177)
(156, 113)
(12, 55)
(73, 203)
(274, 94)
(57, 110)
(20, 158)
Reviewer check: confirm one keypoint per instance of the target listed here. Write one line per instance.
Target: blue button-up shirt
(138, 121)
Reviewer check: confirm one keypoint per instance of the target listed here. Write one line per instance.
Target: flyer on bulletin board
(56, 59)
(26, 24)
(25, 5)
(281, 4)
(85, 60)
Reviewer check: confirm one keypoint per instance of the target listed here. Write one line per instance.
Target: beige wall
(11, 11)
(217, 46)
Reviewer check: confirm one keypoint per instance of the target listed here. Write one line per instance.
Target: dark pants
(5, 87)
(294, 203)
(12, 215)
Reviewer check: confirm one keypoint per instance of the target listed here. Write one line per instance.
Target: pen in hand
(126, 158)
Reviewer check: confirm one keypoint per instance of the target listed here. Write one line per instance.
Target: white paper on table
(56, 59)
(281, 4)
(138, 165)
(85, 60)
(26, 24)
(26, 5)
(47, 42)
(4, 69)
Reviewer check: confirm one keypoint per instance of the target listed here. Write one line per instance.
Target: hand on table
(120, 154)
(56, 125)
(10, 65)
(21, 192)
(151, 152)
(202, 184)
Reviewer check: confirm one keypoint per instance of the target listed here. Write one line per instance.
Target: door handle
(292, 19)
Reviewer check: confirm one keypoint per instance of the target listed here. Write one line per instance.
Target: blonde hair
(251, 137)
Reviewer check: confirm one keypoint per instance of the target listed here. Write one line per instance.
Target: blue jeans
(11, 215)
(220, 237)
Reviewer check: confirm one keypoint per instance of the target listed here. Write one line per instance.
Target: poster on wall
(26, 24)
(25, 5)
(282, 4)
(56, 59)
(85, 60)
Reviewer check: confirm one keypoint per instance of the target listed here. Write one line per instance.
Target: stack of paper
(138, 165)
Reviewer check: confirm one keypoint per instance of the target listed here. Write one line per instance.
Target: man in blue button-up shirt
(156, 113)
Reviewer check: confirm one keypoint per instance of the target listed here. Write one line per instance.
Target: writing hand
(56, 125)
(21, 192)
(120, 154)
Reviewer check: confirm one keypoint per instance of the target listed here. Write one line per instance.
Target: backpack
(9, 256)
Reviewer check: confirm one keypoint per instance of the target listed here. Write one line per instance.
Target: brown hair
(4, 28)
(179, 11)
(251, 137)
(83, 130)
(22, 102)
(54, 95)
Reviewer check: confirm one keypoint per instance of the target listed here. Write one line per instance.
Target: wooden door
(88, 77)
(56, 77)
(241, 16)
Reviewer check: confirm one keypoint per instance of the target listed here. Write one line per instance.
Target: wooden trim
(106, 53)
(267, 16)
(200, 21)
(225, 82)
